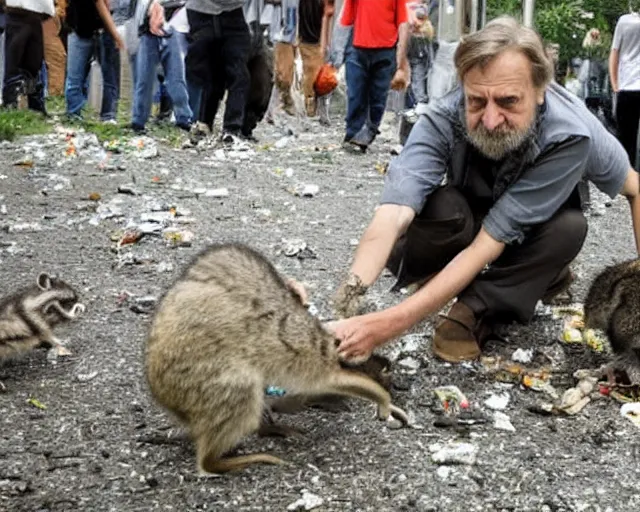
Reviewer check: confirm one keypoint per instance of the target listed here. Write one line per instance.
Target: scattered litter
(143, 305)
(36, 403)
(178, 238)
(308, 191)
(26, 161)
(522, 356)
(86, 377)
(298, 248)
(281, 143)
(3, 209)
(410, 363)
(573, 330)
(217, 192)
(454, 453)
(502, 422)
(146, 147)
(130, 236)
(631, 411)
(451, 398)
(24, 227)
(94, 196)
(164, 266)
(128, 189)
(497, 402)
(307, 502)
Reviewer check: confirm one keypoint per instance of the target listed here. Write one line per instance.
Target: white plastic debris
(308, 501)
(454, 453)
(443, 472)
(522, 356)
(25, 227)
(281, 143)
(631, 411)
(86, 377)
(502, 422)
(410, 363)
(497, 402)
(219, 155)
(217, 192)
(310, 190)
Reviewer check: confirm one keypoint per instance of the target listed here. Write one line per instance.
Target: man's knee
(565, 233)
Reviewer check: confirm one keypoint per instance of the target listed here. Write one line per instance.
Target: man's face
(500, 104)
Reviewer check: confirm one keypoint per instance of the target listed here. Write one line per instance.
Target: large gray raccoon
(229, 327)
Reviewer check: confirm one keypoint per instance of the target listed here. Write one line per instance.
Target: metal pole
(527, 7)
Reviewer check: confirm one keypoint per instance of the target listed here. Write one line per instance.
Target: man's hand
(360, 336)
(156, 19)
(400, 80)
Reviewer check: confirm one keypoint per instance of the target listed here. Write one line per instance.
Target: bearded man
(482, 203)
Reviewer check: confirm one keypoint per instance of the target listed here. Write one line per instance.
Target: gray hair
(499, 35)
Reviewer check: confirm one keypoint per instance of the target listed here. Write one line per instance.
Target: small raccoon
(613, 306)
(227, 329)
(28, 317)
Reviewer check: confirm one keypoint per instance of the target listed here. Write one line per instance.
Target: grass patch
(17, 123)
(14, 123)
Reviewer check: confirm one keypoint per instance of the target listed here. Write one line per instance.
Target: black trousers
(217, 59)
(260, 66)
(628, 118)
(24, 53)
(510, 288)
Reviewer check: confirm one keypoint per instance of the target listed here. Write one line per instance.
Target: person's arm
(102, 7)
(361, 335)
(631, 190)
(402, 62)
(614, 61)
(389, 222)
(325, 31)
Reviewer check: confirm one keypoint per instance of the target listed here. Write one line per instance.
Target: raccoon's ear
(44, 281)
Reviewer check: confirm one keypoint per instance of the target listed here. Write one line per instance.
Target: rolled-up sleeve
(539, 192)
(421, 166)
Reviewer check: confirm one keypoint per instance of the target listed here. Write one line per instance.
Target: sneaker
(229, 138)
(137, 128)
(110, 122)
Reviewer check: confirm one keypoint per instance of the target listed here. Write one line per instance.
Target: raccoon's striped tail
(236, 463)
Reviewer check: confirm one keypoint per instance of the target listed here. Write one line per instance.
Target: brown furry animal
(229, 327)
(613, 305)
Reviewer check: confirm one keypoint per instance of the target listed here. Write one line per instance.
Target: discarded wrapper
(574, 331)
(451, 398)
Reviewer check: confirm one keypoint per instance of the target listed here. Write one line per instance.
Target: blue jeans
(369, 74)
(80, 51)
(152, 51)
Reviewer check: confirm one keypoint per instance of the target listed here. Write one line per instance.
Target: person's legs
(261, 83)
(147, 60)
(79, 52)
(627, 118)
(109, 57)
(312, 60)
(174, 73)
(236, 42)
(357, 77)
(284, 62)
(382, 66)
(198, 70)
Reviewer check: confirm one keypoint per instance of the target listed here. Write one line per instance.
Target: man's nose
(492, 118)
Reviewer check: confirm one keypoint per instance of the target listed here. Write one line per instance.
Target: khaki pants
(312, 60)
(54, 56)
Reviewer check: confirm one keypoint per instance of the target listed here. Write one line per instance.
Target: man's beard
(498, 143)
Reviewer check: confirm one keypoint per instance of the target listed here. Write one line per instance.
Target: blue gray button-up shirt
(531, 185)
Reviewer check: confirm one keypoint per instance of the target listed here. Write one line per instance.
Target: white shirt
(626, 39)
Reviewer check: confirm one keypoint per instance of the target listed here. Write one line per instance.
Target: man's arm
(614, 60)
(389, 223)
(361, 335)
(631, 191)
(325, 31)
(402, 62)
(102, 6)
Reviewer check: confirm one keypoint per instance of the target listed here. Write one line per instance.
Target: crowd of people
(188, 55)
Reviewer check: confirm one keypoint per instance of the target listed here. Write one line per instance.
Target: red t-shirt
(375, 22)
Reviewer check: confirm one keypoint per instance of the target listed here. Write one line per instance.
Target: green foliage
(566, 22)
(21, 122)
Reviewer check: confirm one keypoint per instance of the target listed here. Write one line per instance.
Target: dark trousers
(260, 66)
(24, 55)
(510, 288)
(369, 73)
(217, 58)
(628, 118)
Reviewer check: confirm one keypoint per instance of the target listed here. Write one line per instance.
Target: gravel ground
(101, 444)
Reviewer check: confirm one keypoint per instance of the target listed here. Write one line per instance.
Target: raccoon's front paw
(77, 309)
